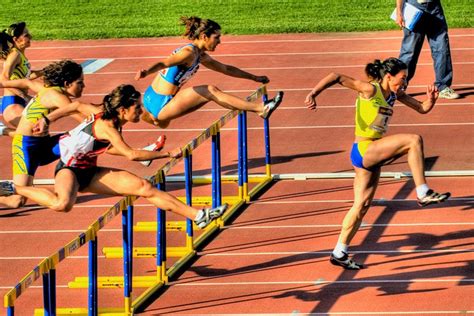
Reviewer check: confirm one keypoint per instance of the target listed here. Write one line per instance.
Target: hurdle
(46, 269)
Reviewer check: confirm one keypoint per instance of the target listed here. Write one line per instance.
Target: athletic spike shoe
(345, 262)
(209, 214)
(156, 146)
(272, 105)
(7, 188)
(433, 197)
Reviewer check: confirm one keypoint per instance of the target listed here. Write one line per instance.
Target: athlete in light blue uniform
(164, 100)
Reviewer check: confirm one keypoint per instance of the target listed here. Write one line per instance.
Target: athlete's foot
(271, 105)
(156, 146)
(345, 262)
(433, 197)
(207, 215)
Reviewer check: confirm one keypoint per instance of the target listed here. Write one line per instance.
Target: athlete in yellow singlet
(374, 108)
(13, 43)
(63, 81)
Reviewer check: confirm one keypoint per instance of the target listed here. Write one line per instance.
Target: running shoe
(345, 262)
(433, 197)
(2, 128)
(209, 214)
(7, 188)
(272, 105)
(156, 146)
(448, 93)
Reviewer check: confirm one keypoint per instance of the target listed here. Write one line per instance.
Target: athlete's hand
(262, 79)
(142, 73)
(176, 153)
(310, 101)
(41, 127)
(432, 93)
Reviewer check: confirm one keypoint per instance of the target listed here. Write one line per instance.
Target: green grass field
(91, 19)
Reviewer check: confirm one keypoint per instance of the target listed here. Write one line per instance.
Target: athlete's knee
(62, 205)
(361, 207)
(416, 141)
(145, 189)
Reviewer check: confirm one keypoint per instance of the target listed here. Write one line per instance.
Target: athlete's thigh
(115, 182)
(184, 102)
(12, 114)
(387, 148)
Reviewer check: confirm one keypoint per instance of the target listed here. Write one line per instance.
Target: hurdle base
(84, 312)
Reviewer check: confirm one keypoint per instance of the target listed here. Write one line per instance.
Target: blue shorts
(357, 154)
(30, 152)
(8, 100)
(155, 102)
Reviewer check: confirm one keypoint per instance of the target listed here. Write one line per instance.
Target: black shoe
(345, 262)
(433, 197)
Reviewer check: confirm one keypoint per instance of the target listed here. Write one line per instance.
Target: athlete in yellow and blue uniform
(371, 149)
(30, 152)
(371, 121)
(13, 43)
(32, 145)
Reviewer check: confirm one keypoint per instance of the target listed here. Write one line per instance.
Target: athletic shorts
(358, 152)
(30, 152)
(155, 102)
(9, 100)
(84, 176)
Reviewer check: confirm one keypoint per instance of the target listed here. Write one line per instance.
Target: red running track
(273, 258)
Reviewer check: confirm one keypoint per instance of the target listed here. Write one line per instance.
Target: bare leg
(147, 117)
(397, 145)
(190, 99)
(63, 197)
(365, 184)
(119, 182)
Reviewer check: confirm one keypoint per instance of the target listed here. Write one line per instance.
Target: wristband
(45, 119)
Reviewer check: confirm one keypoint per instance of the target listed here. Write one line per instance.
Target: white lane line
(329, 39)
(42, 257)
(381, 200)
(265, 54)
(339, 225)
(96, 65)
(156, 130)
(311, 253)
(326, 282)
(378, 313)
(282, 68)
(56, 231)
(298, 89)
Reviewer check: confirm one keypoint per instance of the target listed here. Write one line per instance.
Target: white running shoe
(209, 214)
(448, 93)
(7, 188)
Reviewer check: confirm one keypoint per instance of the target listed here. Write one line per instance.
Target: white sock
(199, 215)
(421, 190)
(340, 250)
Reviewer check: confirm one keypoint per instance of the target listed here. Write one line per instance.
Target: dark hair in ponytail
(195, 26)
(378, 69)
(7, 35)
(61, 72)
(124, 96)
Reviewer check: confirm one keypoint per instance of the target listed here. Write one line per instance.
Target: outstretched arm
(421, 107)
(121, 148)
(230, 70)
(23, 84)
(365, 88)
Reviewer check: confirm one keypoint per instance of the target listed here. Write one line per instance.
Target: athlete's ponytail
(7, 36)
(124, 96)
(378, 69)
(195, 26)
